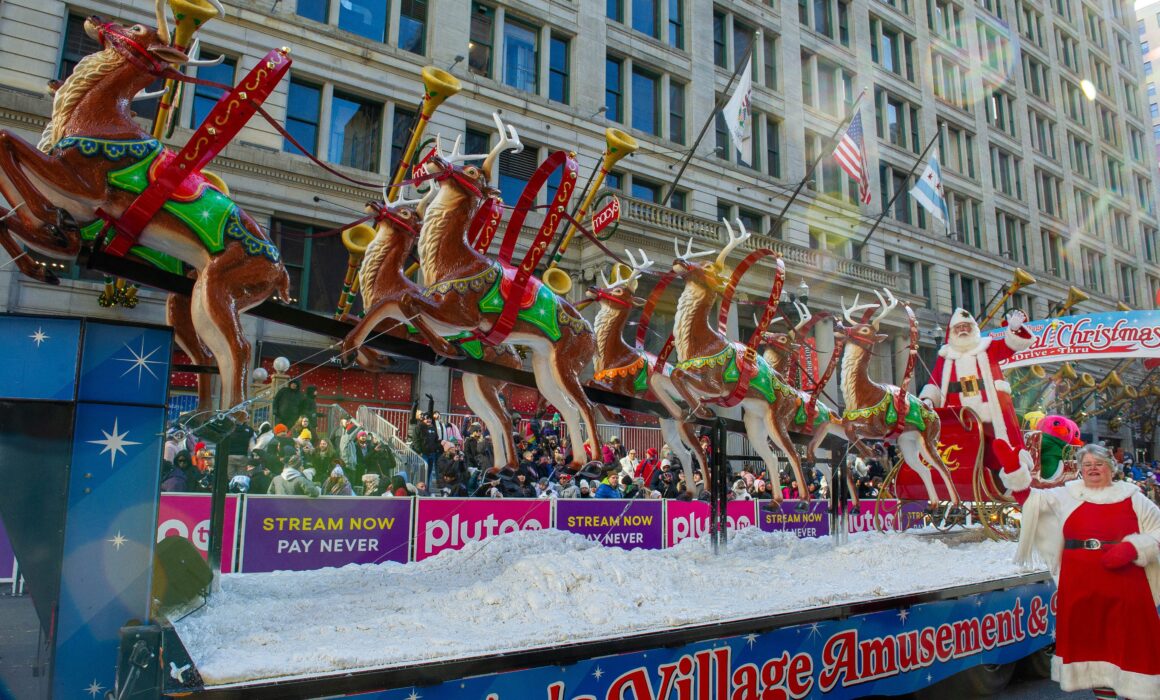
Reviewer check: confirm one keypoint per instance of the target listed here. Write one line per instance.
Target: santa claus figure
(967, 374)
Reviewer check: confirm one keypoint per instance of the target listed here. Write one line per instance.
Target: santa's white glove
(1015, 320)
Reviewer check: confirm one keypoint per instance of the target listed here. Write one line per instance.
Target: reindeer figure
(384, 284)
(780, 350)
(465, 291)
(710, 365)
(872, 409)
(93, 156)
(623, 369)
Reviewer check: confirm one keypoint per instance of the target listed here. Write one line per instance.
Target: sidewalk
(19, 635)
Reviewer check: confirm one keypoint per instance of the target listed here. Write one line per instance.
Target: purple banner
(814, 522)
(7, 558)
(631, 524)
(293, 533)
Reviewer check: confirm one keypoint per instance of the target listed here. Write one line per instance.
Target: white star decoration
(751, 640)
(114, 443)
(178, 674)
(39, 336)
(140, 361)
(413, 695)
(118, 541)
(94, 688)
(902, 615)
(815, 630)
(598, 673)
(929, 678)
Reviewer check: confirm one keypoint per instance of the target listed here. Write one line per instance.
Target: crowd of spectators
(291, 458)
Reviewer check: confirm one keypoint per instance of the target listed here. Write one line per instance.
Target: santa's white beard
(963, 343)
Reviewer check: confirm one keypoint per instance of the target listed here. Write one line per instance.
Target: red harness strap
(224, 121)
(747, 355)
(556, 213)
(485, 224)
(646, 313)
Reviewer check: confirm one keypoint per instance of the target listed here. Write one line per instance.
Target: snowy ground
(537, 588)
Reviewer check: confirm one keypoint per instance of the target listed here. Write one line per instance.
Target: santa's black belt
(957, 388)
(1093, 544)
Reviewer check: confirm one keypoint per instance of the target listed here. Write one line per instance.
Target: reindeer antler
(688, 254)
(509, 140)
(848, 313)
(162, 23)
(804, 313)
(734, 241)
(886, 307)
(195, 56)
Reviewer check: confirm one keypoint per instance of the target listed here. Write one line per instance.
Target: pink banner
(187, 515)
(874, 515)
(450, 523)
(684, 519)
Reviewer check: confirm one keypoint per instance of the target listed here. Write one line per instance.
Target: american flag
(851, 157)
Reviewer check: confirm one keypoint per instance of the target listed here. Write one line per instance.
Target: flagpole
(712, 115)
(828, 148)
(921, 158)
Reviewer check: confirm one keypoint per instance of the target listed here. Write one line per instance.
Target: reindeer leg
(753, 415)
(483, 398)
(24, 263)
(687, 447)
(416, 309)
(382, 310)
(930, 454)
(908, 445)
(179, 315)
(780, 437)
(683, 382)
(17, 160)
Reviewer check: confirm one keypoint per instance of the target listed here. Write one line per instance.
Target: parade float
(101, 189)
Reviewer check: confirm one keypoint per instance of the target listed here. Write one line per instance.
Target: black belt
(1092, 544)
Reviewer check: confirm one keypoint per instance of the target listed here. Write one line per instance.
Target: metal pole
(718, 523)
(858, 252)
(709, 120)
(829, 148)
(217, 517)
(839, 500)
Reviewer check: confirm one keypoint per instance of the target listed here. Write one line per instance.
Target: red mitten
(1007, 455)
(1119, 555)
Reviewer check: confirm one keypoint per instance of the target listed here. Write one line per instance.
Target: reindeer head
(621, 291)
(403, 216)
(145, 48)
(711, 275)
(865, 331)
(471, 179)
(785, 341)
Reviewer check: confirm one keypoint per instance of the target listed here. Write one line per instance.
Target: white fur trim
(932, 393)
(1018, 480)
(1003, 385)
(1116, 492)
(1081, 675)
(1147, 548)
(1019, 341)
(951, 354)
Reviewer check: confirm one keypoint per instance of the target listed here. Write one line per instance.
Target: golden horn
(438, 85)
(617, 144)
(1087, 379)
(1113, 379)
(1067, 372)
(188, 17)
(1075, 295)
(355, 239)
(1121, 306)
(1114, 424)
(1038, 371)
(1081, 417)
(1020, 279)
(1131, 392)
(1154, 390)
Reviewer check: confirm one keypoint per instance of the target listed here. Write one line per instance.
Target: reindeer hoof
(855, 509)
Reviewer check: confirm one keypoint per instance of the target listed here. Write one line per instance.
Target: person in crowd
(585, 489)
(323, 456)
(545, 489)
(707, 446)
(181, 475)
(310, 406)
(609, 487)
(568, 487)
(446, 430)
(668, 485)
(292, 482)
(628, 465)
(637, 488)
(361, 453)
(202, 457)
(337, 484)
(372, 485)
(288, 403)
(398, 487)
(259, 474)
(452, 461)
(382, 460)
(174, 443)
(761, 490)
(421, 489)
(262, 437)
(618, 448)
(426, 438)
(477, 450)
(1101, 541)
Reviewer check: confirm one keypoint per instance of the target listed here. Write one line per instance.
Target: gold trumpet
(617, 145)
(1066, 371)
(438, 85)
(1034, 373)
(1021, 279)
(355, 239)
(1114, 424)
(1075, 295)
(189, 16)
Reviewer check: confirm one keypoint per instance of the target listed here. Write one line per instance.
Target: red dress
(1105, 615)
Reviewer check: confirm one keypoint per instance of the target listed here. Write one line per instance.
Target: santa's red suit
(971, 377)
(1107, 627)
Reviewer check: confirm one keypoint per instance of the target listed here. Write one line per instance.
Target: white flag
(736, 113)
(928, 191)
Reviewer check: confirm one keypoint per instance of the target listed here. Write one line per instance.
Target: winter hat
(337, 471)
(665, 463)
(543, 481)
(199, 447)
(294, 462)
(555, 417)
(758, 484)
(281, 429)
(446, 444)
(362, 433)
(651, 452)
(305, 435)
(308, 473)
(584, 484)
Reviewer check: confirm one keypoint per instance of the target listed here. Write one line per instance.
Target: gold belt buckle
(969, 385)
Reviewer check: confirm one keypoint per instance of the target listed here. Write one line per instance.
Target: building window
(956, 146)
(614, 89)
(944, 18)
(646, 190)
(829, 179)
(1080, 152)
(772, 147)
(1151, 243)
(317, 10)
(1115, 177)
(1037, 78)
(893, 180)
(558, 69)
(614, 10)
(314, 264)
(479, 49)
(645, 101)
(413, 26)
(917, 275)
(1127, 275)
(1068, 50)
(835, 85)
(402, 122)
(950, 82)
(1000, 107)
(769, 57)
(966, 219)
(521, 51)
(303, 108)
(830, 18)
(897, 120)
(891, 49)
(1093, 270)
(515, 170)
(742, 41)
(364, 17)
(968, 293)
(1042, 134)
(1012, 236)
(676, 111)
(204, 96)
(1055, 258)
(355, 125)
(677, 24)
(645, 17)
(1005, 173)
(720, 58)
